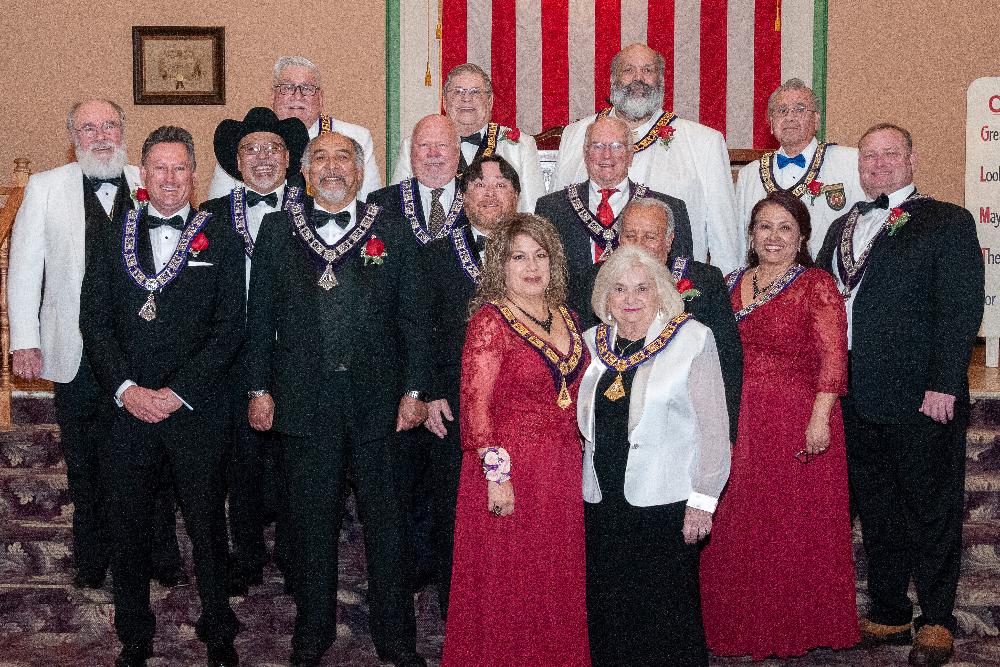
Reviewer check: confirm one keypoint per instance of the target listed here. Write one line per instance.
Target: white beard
(636, 108)
(96, 168)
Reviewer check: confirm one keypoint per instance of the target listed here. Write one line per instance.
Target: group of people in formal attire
(621, 423)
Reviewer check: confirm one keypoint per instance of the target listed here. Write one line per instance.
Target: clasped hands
(150, 405)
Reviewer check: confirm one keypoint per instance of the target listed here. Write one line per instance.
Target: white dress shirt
(163, 240)
(447, 198)
(868, 226)
(255, 216)
(469, 150)
(617, 201)
(331, 232)
(476, 235)
(791, 173)
(106, 195)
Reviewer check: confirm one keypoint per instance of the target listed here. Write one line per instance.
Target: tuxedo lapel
(77, 215)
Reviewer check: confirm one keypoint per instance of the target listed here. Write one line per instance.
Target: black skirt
(643, 599)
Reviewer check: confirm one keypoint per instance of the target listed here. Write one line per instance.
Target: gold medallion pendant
(564, 400)
(616, 390)
(148, 310)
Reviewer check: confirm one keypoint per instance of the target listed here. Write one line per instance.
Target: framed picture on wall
(178, 65)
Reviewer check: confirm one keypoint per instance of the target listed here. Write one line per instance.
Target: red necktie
(605, 216)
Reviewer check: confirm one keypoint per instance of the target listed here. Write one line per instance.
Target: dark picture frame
(178, 65)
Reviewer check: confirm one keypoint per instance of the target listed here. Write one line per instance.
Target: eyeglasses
(90, 130)
(462, 92)
(797, 110)
(599, 146)
(306, 89)
(267, 148)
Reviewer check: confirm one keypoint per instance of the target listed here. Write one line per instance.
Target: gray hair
(623, 259)
(622, 125)
(651, 202)
(469, 68)
(170, 134)
(71, 116)
(359, 152)
(791, 84)
(296, 61)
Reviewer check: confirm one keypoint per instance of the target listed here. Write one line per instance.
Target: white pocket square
(194, 263)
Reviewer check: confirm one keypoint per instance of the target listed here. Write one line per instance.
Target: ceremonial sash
(238, 210)
(562, 368)
(606, 352)
(773, 290)
(329, 257)
(767, 169)
(665, 119)
(601, 235)
(408, 193)
(466, 253)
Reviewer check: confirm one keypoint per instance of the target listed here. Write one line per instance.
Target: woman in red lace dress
(777, 577)
(518, 584)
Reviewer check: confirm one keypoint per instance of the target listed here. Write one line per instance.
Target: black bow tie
(473, 139)
(96, 183)
(254, 198)
(882, 201)
(320, 218)
(175, 221)
(480, 242)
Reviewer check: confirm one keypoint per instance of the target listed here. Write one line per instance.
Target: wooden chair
(12, 195)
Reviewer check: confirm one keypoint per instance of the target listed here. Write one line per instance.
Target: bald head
(434, 151)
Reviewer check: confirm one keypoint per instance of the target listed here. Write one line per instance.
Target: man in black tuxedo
(161, 311)
(262, 152)
(491, 188)
(911, 272)
(648, 222)
(338, 358)
(586, 214)
(429, 205)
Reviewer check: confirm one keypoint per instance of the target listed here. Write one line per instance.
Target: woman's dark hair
(798, 211)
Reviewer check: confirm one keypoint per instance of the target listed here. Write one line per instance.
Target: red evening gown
(518, 584)
(777, 576)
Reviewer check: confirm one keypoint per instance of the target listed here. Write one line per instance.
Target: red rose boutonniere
(686, 289)
(897, 218)
(512, 135)
(666, 135)
(140, 197)
(198, 243)
(374, 251)
(815, 189)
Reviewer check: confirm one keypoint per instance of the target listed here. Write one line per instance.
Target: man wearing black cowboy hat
(264, 153)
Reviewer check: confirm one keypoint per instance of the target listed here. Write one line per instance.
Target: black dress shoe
(222, 654)
(134, 654)
(89, 579)
(171, 578)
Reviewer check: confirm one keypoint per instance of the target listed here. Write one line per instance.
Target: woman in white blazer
(652, 412)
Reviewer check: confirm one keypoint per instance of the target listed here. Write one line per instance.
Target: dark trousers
(188, 445)
(79, 406)
(907, 484)
(315, 472)
(253, 485)
(416, 477)
(446, 468)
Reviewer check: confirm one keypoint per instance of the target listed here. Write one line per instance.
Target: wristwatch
(419, 395)
(257, 393)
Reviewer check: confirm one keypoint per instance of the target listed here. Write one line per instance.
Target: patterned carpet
(45, 621)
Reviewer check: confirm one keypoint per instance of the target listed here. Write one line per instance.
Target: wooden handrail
(14, 194)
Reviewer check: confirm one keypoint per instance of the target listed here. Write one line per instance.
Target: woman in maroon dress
(518, 584)
(777, 577)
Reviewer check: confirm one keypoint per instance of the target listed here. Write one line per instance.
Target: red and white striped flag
(550, 59)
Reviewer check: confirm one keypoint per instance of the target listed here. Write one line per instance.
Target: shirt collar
(280, 191)
(314, 129)
(184, 212)
(349, 208)
(595, 189)
(807, 152)
(449, 189)
(644, 129)
(899, 196)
